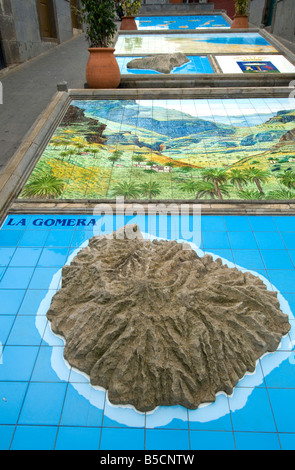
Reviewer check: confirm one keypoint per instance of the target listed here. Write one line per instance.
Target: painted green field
(104, 149)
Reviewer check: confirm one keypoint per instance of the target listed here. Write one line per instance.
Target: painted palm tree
(215, 176)
(205, 189)
(250, 195)
(257, 176)
(138, 158)
(190, 186)
(63, 154)
(281, 194)
(238, 178)
(150, 189)
(43, 186)
(115, 156)
(287, 179)
(127, 190)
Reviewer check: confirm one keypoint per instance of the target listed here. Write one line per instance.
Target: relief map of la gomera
(234, 149)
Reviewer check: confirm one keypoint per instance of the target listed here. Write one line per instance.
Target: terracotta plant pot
(240, 22)
(102, 70)
(128, 23)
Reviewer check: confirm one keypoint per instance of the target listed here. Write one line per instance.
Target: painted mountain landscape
(174, 149)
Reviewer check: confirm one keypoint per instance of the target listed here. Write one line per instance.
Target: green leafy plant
(241, 7)
(131, 7)
(99, 17)
(43, 185)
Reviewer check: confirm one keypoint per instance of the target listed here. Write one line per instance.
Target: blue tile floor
(45, 404)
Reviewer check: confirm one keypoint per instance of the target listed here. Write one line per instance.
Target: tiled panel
(197, 64)
(255, 64)
(200, 149)
(44, 404)
(181, 22)
(201, 43)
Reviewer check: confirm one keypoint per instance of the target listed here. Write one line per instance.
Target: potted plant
(130, 8)
(241, 14)
(102, 70)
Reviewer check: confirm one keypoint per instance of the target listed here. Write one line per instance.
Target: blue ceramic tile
(10, 301)
(16, 278)
(18, 362)
(6, 433)
(12, 396)
(34, 438)
(25, 257)
(2, 271)
(213, 417)
(122, 417)
(33, 238)
(159, 439)
(213, 224)
(277, 259)
(78, 409)
(24, 332)
(285, 223)
(174, 417)
(36, 301)
(289, 240)
(226, 255)
(80, 237)
(53, 257)
(249, 259)
(75, 438)
(213, 240)
(88, 223)
(287, 441)
(10, 237)
(59, 238)
(45, 278)
(257, 441)
(262, 223)
(43, 404)
(251, 410)
(282, 401)
(237, 223)
(6, 322)
(269, 241)
(122, 439)
(6, 255)
(242, 241)
(291, 301)
(292, 256)
(50, 339)
(283, 280)
(16, 222)
(210, 440)
(43, 370)
(40, 222)
(282, 376)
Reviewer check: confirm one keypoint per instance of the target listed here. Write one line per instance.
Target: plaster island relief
(157, 325)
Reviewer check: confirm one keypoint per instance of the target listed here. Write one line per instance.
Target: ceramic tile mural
(170, 149)
(198, 43)
(46, 404)
(196, 64)
(181, 22)
(255, 64)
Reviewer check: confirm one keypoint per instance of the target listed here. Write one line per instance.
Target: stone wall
(283, 21)
(20, 31)
(257, 12)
